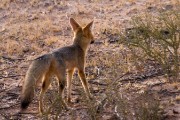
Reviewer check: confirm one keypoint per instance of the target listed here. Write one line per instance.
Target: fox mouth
(92, 42)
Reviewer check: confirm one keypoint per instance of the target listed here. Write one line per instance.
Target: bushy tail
(36, 71)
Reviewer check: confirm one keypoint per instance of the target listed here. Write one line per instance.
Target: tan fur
(57, 63)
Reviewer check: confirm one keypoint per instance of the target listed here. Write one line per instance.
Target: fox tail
(35, 74)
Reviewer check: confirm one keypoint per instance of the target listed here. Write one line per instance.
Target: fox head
(82, 35)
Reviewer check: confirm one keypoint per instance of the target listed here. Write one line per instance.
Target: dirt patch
(31, 28)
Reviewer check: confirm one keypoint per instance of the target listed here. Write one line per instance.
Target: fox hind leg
(44, 88)
(61, 75)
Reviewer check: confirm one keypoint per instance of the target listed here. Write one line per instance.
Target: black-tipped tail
(24, 104)
(26, 99)
(34, 74)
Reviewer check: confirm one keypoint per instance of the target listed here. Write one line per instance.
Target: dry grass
(31, 30)
(41, 26)
(4, 4)
(12, 47)
(51, 40)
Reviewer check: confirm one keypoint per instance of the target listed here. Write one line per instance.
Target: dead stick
(11, 76)
(8, 68)
(10, 106)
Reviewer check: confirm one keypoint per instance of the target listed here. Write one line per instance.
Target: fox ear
(89, 26)
(74, 24)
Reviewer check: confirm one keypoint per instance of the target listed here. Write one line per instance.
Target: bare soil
(29, 29)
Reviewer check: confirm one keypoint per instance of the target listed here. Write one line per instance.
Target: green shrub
(158, 38)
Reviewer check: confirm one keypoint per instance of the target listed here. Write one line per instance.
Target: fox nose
(92, 42)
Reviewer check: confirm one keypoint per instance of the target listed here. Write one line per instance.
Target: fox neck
(78, 41)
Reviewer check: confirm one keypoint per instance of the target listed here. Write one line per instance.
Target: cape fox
(57, 63)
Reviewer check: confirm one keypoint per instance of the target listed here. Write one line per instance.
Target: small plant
(147, 107)
(139, 106)
(158, 38)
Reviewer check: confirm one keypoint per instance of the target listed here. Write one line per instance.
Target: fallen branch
(28, 113)
(11, 59)
(9, 106)
(9, 88)
(142, 76)
(9, 67)
(11, 76)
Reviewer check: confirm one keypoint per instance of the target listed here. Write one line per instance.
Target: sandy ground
(31, 28)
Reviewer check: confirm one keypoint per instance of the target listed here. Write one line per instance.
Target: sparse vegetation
(158, 38)
(128, 81)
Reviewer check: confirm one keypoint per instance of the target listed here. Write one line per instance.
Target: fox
(60, 62)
